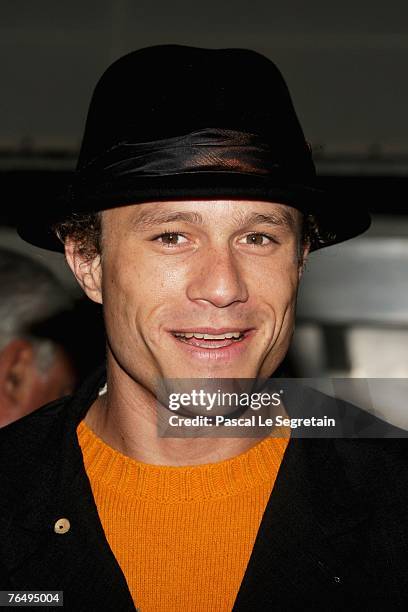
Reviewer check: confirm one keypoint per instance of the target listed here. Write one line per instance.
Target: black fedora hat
(172, 122)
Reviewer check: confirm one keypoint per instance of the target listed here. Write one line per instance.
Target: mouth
(210, 338)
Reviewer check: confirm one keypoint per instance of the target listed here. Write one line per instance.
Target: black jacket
(334, 535)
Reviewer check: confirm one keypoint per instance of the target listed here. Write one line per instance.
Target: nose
(218, 279)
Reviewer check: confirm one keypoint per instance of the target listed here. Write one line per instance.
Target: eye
(256, 239)
(170, 239)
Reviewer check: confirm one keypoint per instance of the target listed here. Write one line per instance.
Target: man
(34, 369)
(190, 218)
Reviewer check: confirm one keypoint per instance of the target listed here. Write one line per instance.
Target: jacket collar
(312, 512)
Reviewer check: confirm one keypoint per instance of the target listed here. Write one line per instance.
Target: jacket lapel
(294, 558)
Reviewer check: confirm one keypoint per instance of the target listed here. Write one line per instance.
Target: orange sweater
(182, 535)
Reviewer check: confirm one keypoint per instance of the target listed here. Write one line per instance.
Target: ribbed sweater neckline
(108, 467)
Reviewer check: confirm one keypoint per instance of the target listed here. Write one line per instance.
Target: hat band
(206, 150)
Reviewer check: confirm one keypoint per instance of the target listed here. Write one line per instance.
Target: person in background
(34, 369)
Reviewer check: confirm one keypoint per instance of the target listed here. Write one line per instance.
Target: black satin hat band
(211, 150)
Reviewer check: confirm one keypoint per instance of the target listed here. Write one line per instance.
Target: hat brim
(336, 224)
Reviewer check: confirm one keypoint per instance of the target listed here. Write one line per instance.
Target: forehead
(208, 212)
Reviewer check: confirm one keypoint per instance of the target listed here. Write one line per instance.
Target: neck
(126, 418)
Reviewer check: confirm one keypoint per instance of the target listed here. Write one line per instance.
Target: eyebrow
(146, 220)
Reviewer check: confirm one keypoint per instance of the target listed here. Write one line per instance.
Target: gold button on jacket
(62, 525)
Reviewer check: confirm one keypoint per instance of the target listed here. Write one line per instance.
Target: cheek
(138, 294)
(138, 284)
(42, 391)
(276, 281)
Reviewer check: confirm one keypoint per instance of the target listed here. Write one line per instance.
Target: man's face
(214, 268)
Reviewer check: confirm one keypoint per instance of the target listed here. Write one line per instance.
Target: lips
(229, 335)
(212, 352)
(211, 343)
(210, 330)
(210, 338)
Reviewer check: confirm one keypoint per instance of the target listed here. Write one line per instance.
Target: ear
(87, 271)
(303, 258)
(18, 366)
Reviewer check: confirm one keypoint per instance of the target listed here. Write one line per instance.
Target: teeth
(209, 336)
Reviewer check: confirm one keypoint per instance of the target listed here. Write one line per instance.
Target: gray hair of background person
(29, 295)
